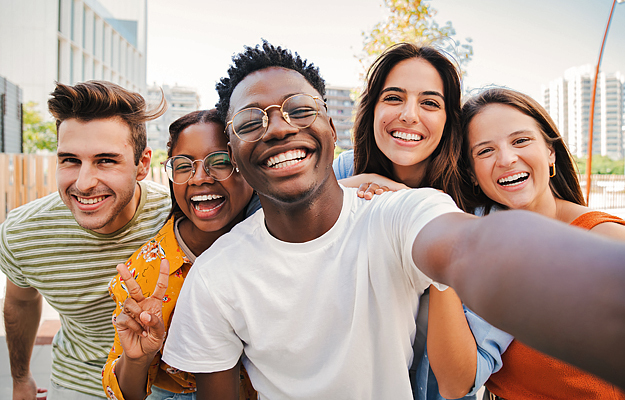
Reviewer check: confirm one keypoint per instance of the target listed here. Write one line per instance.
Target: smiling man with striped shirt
(65, 246)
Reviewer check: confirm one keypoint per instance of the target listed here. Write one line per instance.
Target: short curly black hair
(261, 57)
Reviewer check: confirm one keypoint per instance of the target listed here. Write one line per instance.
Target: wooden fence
(26, 177)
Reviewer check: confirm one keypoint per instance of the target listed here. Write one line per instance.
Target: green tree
(158, 156)
(601, 165)
(38, 134)
(413, 21)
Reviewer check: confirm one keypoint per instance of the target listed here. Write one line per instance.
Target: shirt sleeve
(491, 344)
(343, 165)
(8, 263)
(109, 379)
(200, 338)
(408, 212)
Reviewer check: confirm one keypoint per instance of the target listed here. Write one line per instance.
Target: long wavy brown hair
(442, 171)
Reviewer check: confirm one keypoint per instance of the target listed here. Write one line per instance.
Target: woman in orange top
(209, 197)
(516, 159)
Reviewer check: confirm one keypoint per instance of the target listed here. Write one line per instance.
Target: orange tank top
(530, 374)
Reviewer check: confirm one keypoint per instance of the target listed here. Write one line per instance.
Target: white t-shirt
(332, 318)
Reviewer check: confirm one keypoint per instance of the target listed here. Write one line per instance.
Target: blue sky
(522, 44)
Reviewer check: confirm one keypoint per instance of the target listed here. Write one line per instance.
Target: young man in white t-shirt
(317, 294)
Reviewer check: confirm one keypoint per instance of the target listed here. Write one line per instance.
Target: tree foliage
(413, 21)
(38, 134)
(158, 156)
(601, 165)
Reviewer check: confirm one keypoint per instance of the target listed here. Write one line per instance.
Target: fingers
(126, 322)
(369, 189)
(134, 290)
(163, 280)
(131, 308)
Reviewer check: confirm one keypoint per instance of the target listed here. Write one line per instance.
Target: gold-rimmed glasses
(299, 111)
(217, 165)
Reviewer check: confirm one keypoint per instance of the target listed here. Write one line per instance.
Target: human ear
(144, 163)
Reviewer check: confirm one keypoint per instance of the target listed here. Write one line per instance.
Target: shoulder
(41, 213)
(234, 247)
(343, 165)
(155, 191)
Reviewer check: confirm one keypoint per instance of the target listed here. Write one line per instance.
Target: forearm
(554, 287)
(21, 322)
(132, 376)
(451, 347)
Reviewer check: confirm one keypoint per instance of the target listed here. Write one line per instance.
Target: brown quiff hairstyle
(564, 185)
(442, 171)
(93, 100)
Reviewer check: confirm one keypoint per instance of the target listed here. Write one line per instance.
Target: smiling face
(409, 117)
(212, 206)
(510, 158)
(288, 164)
(96, 175)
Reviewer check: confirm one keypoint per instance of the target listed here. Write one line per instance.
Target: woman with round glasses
(209, 197)
(407, 129)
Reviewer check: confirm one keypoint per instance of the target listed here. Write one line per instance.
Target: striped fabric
(42, 246)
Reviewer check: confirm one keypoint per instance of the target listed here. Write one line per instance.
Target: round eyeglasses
(299, 111)
(217, 165)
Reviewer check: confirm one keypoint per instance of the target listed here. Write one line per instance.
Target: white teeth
(94, 200)
(407, 136)
(513, 178)
(286, 159)
(206, 197)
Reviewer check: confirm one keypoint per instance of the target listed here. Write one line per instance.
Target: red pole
(592, 108)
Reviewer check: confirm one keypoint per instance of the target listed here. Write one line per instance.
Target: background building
(70, 41)
(10, 117)
(341, 109)
(567, 99)
(180, 100)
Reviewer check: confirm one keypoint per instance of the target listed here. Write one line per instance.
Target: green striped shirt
(42, 246)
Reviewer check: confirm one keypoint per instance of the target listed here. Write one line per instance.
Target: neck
(304, 220)
(411, 175)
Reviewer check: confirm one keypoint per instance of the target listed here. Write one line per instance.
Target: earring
(236, 169)
(475, 189)
(552, 170)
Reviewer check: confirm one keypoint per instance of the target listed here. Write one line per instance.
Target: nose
(87, 178)
(278, 127)
(410, 112)
(200, 176)
(506, 157)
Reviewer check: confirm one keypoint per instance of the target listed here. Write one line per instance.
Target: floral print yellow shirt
(144, 266)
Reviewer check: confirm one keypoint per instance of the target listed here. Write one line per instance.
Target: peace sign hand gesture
(140, 325)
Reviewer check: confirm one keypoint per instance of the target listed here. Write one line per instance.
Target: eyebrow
(99, 155)
(257, 105)
(402, 90)
(519, 132)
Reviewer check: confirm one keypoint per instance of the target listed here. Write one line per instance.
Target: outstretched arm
(554, 287)
(451, 347)
(22, 312)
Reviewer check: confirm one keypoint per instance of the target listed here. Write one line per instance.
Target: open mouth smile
(286, 159)
(89, 200)
(409, 137)
(513, 180)
(207, 202)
